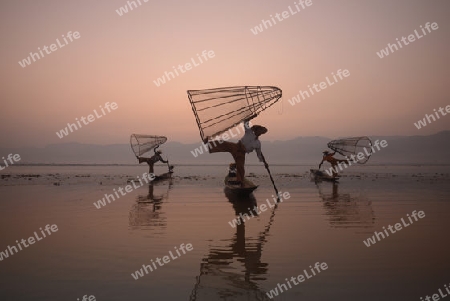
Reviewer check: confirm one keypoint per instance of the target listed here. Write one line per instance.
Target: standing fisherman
(152, 160)
(247, 144)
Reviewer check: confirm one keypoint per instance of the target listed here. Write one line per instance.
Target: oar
(270, 175)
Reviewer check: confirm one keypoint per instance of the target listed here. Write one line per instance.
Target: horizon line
(199, 141)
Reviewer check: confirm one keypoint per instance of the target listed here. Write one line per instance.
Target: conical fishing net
(353, 146)
(142, 144)
(217, 110)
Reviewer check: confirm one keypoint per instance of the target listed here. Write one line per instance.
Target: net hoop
(220, 109)
(142, 144)
(353, 146)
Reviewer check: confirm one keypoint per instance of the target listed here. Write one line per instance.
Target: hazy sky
(117, 58)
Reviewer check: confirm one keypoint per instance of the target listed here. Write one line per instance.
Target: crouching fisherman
(327, 156)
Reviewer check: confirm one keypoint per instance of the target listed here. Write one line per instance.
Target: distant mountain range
(433, 149)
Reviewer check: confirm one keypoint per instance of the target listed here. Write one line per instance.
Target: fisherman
(153, 159)
(247, 144)
(327, 156)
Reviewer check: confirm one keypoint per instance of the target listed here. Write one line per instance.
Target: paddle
(270, 175)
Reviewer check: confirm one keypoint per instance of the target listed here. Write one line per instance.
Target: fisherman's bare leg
(239, 158)
(236, 150)
(342, 161)
(334, 168)
(216, 146)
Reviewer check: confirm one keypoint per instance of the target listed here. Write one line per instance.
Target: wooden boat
(320, 175)
(164, 176)
(248, 188)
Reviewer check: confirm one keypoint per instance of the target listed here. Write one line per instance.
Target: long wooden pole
(270, 175)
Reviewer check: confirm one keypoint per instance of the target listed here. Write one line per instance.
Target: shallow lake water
(95, 251)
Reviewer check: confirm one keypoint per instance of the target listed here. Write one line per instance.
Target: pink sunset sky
(118, 58)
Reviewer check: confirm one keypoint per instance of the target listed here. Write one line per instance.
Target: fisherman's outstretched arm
(261, 157)
(247, 122)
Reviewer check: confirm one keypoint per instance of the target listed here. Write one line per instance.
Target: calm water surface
(95, 251)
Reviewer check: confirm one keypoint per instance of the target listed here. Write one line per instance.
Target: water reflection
(232, 271)
(146, 213)
(346, 210)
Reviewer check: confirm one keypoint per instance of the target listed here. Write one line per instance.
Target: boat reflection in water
(232, 271)
(346, 210)
(145, 213)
